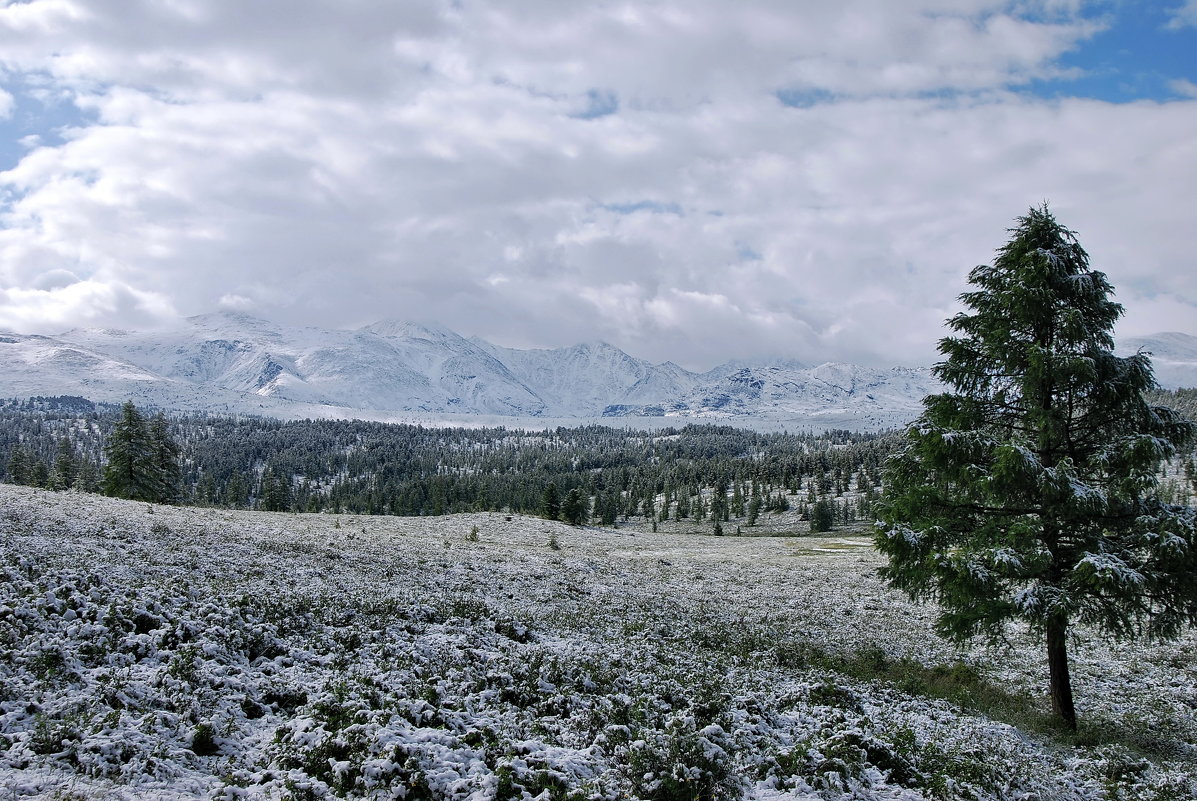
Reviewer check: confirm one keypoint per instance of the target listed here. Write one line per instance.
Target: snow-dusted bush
(197, 653)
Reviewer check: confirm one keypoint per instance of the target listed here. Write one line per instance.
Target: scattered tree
(822, 515)
(550, 502)
(143, 460)
(130, 472)
(574, 511)
(65, 467)
(166, 460)
(20, 467)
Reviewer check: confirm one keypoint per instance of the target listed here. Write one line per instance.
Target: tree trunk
(1057, 667)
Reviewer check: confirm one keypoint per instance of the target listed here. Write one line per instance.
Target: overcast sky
(695, 180)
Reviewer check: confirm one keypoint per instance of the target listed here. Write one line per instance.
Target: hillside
(183, 653)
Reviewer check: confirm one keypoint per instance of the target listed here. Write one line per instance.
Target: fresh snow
(159, 652)
(395, 370)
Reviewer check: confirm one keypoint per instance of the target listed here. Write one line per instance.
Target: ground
(159, 652)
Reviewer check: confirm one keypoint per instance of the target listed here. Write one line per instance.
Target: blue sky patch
(803, 98)
(1139, 56)
(652, 206)
(31, 116)
(599, 104)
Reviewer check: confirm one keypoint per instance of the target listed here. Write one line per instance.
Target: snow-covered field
(156, 652)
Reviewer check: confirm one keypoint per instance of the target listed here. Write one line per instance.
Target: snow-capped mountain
(232, 362)
(584, 380)
(1173, 357)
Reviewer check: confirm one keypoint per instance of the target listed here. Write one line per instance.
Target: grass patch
(958, 682)
(967, 687)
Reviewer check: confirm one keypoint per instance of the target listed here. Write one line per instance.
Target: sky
(689, 180)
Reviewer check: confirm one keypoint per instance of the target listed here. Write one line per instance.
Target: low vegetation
(155, 651)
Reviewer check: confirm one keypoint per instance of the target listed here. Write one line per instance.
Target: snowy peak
(406, 329)
(584, 380)
(230, 361)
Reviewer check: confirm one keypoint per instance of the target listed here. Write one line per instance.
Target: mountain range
(235, 363)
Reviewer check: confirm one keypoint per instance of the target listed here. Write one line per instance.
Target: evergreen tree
(1026, 491)
(131, 472)
(39, 474)
(166, 461)
(550, 502)
(236, 491)
(609, 508)
(574, 511)
(754, 509)
(737, 504)
(822, 515)
(87, 479)
(274, 494)
(20, 466)
(683, 504)
(66, 468)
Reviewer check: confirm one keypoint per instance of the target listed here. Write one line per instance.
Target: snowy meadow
(164, 652)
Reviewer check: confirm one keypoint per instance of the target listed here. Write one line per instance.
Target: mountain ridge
(235, 362)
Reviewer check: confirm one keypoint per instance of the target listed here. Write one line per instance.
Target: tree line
(705, 473)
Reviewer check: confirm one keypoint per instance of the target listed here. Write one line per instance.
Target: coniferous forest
(702, 472)
(705, 473)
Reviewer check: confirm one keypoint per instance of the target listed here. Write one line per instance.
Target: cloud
(545, 173)
(1183, 87)
(1183, 16)
(80, 304)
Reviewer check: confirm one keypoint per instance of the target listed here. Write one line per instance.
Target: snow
(350, 656)
(1110, 569)
(409, 373)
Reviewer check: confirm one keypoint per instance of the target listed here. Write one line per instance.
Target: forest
(702, 472)
(705, 473)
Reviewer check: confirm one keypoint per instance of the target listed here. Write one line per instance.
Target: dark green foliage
(142, 459)
(203, 740)
(65, 467)
(574, 511)
(375, 468)
(754, 509)
(165, 460)
(1026, 491)
(20, 465)
(131, 472)
(606, 508)
(822, 515)
(274, 492)
(550, 502)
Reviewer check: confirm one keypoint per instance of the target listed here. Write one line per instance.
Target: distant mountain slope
(854, 396)
(1173, 355)
(583, 380)
(237, 363)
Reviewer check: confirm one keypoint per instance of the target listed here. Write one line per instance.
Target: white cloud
(340, 164)
(81, 304)
(1184, 16)
(1184, 87)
